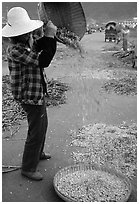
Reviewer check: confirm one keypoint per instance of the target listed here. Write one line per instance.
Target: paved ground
(85, 98)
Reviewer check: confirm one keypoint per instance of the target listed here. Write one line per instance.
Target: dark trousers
(37, 127)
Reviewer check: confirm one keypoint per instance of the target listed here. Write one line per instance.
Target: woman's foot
(36, 176)
(45, 156)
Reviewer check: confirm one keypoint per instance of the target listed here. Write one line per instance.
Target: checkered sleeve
(25, 56)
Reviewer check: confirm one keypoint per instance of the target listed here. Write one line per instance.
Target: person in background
(26, 61)
(125, 34)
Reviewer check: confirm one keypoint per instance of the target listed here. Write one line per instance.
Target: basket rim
(82, 27)
(103, 168)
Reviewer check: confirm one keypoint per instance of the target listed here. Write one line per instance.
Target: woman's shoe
(36, 176)
(45, 156)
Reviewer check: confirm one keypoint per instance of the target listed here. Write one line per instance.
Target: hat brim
(9, 31)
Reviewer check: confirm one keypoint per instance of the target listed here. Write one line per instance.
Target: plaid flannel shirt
(27, 84)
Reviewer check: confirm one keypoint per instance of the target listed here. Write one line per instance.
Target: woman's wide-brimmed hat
(19, 23)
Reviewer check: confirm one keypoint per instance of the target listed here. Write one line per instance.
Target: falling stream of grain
(83, 89)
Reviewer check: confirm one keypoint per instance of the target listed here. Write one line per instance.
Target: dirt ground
(87, 103)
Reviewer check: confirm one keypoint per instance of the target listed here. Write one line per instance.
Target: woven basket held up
(64, 14)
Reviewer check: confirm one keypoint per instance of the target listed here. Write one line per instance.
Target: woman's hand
(50, 29)
(31, 41)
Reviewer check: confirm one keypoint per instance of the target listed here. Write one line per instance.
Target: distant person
(125, 34)
(26, 60)
(118, 37)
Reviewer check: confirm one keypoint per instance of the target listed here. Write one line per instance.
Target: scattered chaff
(107, 145)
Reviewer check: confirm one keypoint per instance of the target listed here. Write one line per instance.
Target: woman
(26, 60)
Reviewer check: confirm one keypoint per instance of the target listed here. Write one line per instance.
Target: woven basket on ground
(84, 167)
(64, 14)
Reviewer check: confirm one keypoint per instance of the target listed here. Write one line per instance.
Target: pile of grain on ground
(56, 92)
(107, 145)
(123, 86)
(12, 112)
